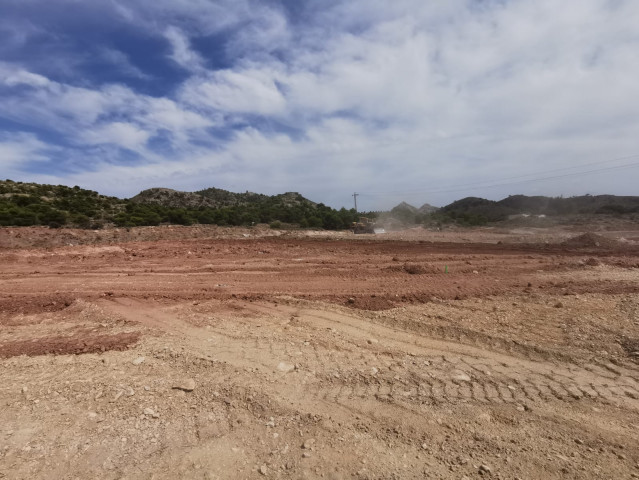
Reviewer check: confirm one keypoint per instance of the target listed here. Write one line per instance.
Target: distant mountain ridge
(24, 204)
(540, 205)
(424, 209)
(478, 211)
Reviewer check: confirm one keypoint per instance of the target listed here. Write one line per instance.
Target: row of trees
(303, 215)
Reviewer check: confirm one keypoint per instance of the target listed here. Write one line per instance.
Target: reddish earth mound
(589, 240)
(69, 345)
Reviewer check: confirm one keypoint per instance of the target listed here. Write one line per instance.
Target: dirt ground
(211, 353)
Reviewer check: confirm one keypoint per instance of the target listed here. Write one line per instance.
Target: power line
(479, 185)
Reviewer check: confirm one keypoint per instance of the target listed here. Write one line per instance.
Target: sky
(421, 101)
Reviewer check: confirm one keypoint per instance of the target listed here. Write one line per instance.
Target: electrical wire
(487, 184)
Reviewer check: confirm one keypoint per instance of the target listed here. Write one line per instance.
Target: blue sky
(416, 100)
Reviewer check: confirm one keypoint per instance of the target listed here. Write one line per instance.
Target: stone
(460, 376)
(306, 455)
(187, 385)
(485, 470)
(263, 470)
(285, 367)
(371, 341)
(151, 413)
(308, 444)
(138, 361)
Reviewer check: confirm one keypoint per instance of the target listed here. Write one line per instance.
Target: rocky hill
(26, 204)
(172, 198)
(216, 198)
(427, 208)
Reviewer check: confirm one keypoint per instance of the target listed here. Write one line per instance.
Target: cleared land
(226, 353)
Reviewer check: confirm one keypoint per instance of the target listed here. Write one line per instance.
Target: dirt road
(238, 355)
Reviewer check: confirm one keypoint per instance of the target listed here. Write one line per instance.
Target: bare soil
(210, 353)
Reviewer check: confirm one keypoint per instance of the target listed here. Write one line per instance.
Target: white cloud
(122, 63)
(12, 76)
(182, 53)
(364, 95)
(19, 148)
(125, 135)
(248, 91)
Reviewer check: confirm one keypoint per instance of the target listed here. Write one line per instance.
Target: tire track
(341, 367)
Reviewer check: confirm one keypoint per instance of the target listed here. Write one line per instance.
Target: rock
(374, 371)
(460, 376)
(271, 422)
(306, 455)
(263, 470)
(151, 413)
(372, 341)
(485, 470)
(138, 361)
(308, 444)
(559, 305)
(285, 367)
(579, 441)
(92, 415)
(351, 300)
(130, 392)
(187, 385)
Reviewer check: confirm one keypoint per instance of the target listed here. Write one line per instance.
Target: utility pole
(355, 197)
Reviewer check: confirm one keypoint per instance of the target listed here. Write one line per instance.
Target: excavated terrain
(211, 353)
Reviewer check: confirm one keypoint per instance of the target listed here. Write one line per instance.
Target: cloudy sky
(416, 100)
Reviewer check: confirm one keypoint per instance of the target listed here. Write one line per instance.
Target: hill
(25, 204)
(478, 211)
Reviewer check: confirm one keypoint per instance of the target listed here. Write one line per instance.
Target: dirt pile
(591, 240)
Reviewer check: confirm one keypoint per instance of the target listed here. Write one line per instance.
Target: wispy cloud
(363, 95)
(182, 54)
(18, 149)
(122, 62)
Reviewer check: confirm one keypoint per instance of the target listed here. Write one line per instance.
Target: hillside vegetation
(472, 211)
(25, 204)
